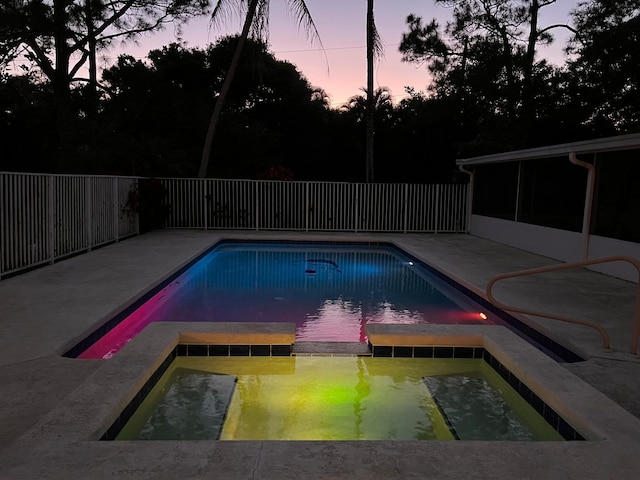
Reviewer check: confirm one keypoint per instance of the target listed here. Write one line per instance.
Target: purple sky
(341, 25)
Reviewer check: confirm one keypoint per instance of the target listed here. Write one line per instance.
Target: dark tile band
(198, 350)
(113, 431)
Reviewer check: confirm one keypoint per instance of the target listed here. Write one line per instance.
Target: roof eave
(609, 144)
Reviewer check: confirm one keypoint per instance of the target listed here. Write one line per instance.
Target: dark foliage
(153, 115)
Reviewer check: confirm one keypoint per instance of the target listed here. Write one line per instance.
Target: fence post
(115, 208)
(3, 232)
(256, 192)
(51, 219)
(467, 206)
(137, 213)
(306, 206)
(406, 206)
(205, 210)
(437, 209)
(88, 206)
(356, 205)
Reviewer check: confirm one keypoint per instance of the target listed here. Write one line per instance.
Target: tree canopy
(60, 37)
(256, 26)
(485, 58)
(490, 92)
(605, 71)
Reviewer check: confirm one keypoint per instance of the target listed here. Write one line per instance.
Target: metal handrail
(566, 266)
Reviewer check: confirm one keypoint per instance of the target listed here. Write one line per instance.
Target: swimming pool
(334, 398)
(330, 291)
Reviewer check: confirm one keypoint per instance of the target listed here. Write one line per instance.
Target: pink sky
(341, 25)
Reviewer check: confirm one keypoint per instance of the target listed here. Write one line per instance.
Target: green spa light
(325, 398)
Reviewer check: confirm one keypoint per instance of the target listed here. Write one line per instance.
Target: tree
(358, 105)
(408, 157)
(60, 36)
(605, 69)
(374, 49)
(155, 118)
(489, 47)
(26, 115)
(256, 23)
(355, 117)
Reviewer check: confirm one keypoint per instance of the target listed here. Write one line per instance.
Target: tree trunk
(92, 110)
(370, 92)
(527, 87)
(213, 123)
(507, 54)
(60, 84)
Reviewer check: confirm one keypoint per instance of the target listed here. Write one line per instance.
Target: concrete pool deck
(45, 311)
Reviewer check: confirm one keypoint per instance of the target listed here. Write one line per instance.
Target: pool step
(331, 349)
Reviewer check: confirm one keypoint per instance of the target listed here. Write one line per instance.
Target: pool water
(329, 291)
(333, 398)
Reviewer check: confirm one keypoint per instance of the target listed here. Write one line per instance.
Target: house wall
(604, 247)
(557, 244)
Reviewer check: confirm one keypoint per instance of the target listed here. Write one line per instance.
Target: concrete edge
(589, 411)
(93, 407)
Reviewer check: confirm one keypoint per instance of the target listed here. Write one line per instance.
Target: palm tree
(358, 105)
(256, 23)
(374, 49)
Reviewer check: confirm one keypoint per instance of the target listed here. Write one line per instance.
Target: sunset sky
(341, 24)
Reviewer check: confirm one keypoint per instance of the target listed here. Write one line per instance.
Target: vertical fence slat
(4, 236)
(51, 225)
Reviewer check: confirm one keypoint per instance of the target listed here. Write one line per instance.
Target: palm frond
(224, 11)
(301, 14)
(378, 46)
(260, 26)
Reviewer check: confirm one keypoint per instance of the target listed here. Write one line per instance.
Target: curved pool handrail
(566, 266)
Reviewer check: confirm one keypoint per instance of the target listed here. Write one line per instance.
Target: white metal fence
(314, 206)
(47, 217)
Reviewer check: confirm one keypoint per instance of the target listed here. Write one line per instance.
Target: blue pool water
(329, 291)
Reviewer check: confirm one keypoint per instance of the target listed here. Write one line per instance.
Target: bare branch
(559, 25)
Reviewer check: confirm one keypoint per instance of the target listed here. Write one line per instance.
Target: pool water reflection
(329, 291)
(334, 398)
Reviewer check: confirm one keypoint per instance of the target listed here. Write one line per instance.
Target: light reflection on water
(330, 398)
(329, 292)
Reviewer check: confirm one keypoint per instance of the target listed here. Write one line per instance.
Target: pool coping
(82, 418)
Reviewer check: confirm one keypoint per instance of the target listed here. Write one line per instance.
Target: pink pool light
(116, 338)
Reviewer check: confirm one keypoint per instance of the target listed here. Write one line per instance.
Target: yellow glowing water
(320, 398)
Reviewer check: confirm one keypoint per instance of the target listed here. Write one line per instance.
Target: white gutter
(588, 201)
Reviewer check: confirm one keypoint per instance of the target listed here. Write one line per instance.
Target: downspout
(588, 202)
(470, 199)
